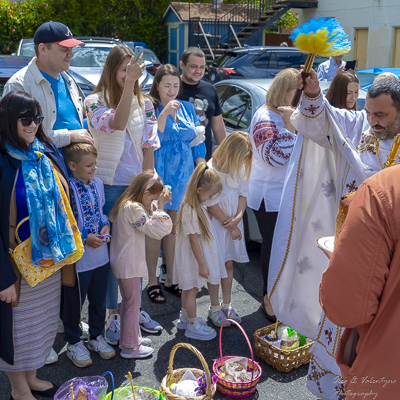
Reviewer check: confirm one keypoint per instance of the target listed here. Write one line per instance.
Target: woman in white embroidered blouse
(273, 138)
(124, 127)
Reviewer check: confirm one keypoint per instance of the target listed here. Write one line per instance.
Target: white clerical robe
(332, 156)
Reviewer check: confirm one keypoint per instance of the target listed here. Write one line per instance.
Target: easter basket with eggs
(205, 386)
(282, 348)
(237, 376)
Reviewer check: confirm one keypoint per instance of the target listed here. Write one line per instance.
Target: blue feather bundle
(322, 36)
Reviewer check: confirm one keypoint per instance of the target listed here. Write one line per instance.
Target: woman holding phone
(183, 146)
(124, 127)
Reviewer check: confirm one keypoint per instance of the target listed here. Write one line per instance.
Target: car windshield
(319, 60)
(148, 55)
(27, 49)
(90, 56)
(227, 59)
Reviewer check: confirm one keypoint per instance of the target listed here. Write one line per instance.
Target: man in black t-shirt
(202, 95)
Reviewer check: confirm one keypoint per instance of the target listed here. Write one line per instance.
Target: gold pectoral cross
(391, 157)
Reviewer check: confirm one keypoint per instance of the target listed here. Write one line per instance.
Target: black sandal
(174, 289)
(155, 293)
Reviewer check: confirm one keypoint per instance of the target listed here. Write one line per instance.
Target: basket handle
(246, 337)
(193, 349)
(112, 382)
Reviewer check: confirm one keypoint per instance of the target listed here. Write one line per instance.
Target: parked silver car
(88, 61)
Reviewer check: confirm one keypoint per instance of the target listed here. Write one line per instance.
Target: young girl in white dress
(135, 215)
(232, 162)
(197, 259)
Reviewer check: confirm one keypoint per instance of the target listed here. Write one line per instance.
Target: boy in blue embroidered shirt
(88, 194)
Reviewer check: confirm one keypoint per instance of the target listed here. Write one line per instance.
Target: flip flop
(174, 289)
(155, 292)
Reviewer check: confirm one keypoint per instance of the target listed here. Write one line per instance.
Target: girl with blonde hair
(232, 162)
(135, 215)
(197, 259)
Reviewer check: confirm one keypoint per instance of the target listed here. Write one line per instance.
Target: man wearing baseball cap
(45, 79)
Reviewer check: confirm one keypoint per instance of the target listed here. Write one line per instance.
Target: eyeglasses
(28, 121)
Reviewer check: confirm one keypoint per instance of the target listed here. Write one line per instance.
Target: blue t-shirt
(67, 116)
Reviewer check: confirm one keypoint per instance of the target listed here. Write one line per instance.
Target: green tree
(19, 20)
(137, 20)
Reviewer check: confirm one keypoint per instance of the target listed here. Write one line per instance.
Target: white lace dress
(228, 200)
(186, 268)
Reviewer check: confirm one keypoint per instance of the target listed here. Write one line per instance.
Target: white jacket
(110, 147)
(30, 80)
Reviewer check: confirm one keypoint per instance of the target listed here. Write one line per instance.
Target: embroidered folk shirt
(90, 200)
(273, 145)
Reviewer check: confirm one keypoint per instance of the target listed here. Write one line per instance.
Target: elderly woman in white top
(273, 138)
(124, 128)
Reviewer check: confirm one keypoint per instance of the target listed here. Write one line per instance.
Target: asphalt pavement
(246, 298)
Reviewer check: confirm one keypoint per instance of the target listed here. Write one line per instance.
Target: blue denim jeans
(111, 194)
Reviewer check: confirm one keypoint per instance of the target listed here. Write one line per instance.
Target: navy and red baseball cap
(56, 32)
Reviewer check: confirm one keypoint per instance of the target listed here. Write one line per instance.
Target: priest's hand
(310, 85)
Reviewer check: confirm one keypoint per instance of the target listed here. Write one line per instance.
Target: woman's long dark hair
(166, 69)
(16, 105)
(337, 92)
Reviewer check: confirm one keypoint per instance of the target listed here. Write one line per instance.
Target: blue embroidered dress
(174, 160)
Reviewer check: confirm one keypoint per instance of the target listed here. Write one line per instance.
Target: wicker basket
(237, 389)
(156, 392)
(174, 376)
(282, 360)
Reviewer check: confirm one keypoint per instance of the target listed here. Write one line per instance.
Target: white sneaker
(146, 342)
(113, 329)
(100, 346)
(147, 324)
(79, 354)
(140, 352)
(52, 358)
(85, 330)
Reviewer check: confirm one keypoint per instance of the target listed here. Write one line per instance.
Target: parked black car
(257, 62)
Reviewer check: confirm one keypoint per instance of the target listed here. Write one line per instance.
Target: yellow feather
(319, 42)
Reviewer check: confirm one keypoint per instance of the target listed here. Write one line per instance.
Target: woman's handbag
(22, 254)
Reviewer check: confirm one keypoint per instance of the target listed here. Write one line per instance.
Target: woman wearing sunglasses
(29, 164)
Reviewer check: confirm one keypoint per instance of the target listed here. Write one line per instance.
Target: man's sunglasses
(28, 121)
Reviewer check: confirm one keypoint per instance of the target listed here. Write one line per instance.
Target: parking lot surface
(246, 297)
